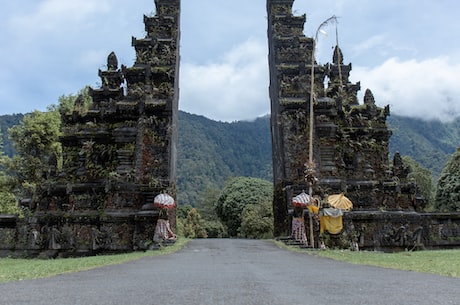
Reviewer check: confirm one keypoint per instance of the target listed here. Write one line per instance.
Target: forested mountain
(209, 152)
(430, 143)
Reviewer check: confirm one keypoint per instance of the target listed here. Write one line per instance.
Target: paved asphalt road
(231, 271)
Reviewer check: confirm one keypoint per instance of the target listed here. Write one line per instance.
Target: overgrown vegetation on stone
(448, 191)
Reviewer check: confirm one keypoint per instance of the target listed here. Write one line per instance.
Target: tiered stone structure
(350, 143)
(117, 156)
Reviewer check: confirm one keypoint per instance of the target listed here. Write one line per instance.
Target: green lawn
(12, 269)
(441, 262)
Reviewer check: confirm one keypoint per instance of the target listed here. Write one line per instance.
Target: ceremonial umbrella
(164, 201)
(339, 201)
(301, 200)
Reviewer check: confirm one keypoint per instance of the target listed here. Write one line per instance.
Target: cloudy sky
(407, 52)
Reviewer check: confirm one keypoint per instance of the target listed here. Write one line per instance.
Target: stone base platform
(64, 234)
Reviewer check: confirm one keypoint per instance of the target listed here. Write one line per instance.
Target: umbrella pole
(312, 235)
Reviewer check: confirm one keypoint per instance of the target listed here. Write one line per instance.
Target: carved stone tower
(289, 56)
(350, 141)
(118, 154)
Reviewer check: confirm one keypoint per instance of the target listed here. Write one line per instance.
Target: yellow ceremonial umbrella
(339, 201)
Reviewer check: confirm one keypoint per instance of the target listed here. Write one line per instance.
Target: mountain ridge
(209, 151)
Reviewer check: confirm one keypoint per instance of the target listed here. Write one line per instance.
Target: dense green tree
(236, 195)
(206, 207)
(67, 104)
(6, 122)
(8, 201)
(193, 225)
(448, 189)
(183, 210)
(36, 144)
(206, 203)
(215, 229)
(181, 215)
(257, 220)
(423, 178)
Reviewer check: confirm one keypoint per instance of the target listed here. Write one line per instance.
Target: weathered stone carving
(117, 154)
(350, 141)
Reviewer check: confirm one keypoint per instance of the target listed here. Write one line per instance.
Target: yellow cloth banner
(313, 209)
(330, 224)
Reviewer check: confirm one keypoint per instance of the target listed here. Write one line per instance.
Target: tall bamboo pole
(312, 115)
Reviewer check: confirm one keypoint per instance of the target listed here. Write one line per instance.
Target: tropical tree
(205, 206)
(8, 201)
(6, 122)
(35, 141)
(183, 210)
(448, 190)
(257, 220)
(422, 177)
(236, 195)
(67, 104)
(215, 229)
(193, 225)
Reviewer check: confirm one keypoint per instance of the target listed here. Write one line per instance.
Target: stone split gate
(122, 152)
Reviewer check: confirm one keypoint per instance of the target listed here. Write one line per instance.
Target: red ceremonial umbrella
(301, 200)
(164, 201)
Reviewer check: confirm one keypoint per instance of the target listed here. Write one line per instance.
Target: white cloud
(55, 15)
(91, 59)
(370, 43)
(234, 88)
(55, 47)
(426, 89)
(380, 45)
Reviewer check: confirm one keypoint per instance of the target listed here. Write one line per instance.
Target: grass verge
(12, 269)
(441, 262)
